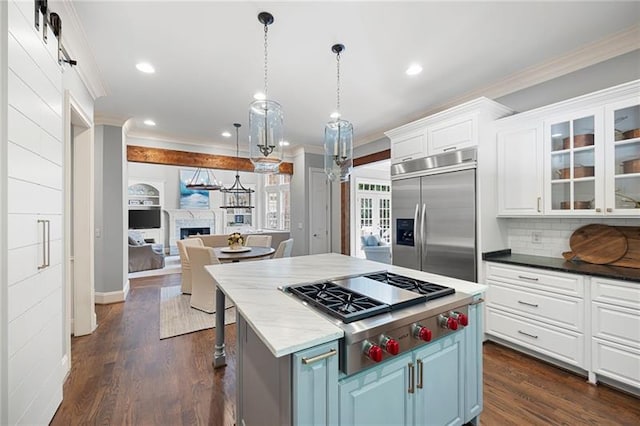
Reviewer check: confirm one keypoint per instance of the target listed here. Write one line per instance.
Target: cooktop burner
(342, 303)
(430, 290)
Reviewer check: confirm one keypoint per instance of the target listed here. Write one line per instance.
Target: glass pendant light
(204, 180)
(237, 196)
(266, 121)
(338, 136)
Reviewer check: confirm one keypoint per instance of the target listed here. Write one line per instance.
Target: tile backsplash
(551, 236)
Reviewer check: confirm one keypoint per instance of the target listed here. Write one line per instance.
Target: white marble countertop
(283, 323)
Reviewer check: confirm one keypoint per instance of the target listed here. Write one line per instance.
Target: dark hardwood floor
(124, 374)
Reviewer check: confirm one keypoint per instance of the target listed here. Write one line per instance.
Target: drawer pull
(320, 357)
(535, 305)
(407, 159)
(451, 148)
(527, 334)
(527, 278)
(419, 374)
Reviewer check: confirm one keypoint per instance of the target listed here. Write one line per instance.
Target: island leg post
(219, 356)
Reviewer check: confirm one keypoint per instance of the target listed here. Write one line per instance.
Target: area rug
(178, 317)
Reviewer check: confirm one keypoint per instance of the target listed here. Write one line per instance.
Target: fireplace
(185, 232)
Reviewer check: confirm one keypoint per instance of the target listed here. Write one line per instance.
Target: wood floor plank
(124, 374)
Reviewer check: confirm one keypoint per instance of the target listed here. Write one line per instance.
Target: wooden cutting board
(631, 258)
(599, 244)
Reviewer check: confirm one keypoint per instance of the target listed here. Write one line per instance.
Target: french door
(373, 212)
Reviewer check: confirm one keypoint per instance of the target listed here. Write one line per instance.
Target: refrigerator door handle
(423, 231)
(418, 242)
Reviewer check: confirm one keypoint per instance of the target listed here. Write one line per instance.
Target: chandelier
(338, 135)
(237, 196)
(265, 121)
(204, 180)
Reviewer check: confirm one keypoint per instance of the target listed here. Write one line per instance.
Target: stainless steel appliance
(384, 314)
(433, 215)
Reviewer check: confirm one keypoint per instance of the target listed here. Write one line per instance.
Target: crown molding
(109, 120)
(75, 43)
(607, 48)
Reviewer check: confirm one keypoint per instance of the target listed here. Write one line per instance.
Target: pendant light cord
(338, 85)
(266, 29)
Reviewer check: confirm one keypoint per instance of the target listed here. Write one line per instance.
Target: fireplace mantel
(184, 218)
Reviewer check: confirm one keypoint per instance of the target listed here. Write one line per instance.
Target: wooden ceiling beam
(170, 157)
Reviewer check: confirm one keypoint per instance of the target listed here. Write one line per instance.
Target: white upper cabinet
(520, 171)
(579, 157)
(455, 128)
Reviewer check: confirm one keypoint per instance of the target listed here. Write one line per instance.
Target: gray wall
(110, 256)
(618, 70)
(372, 147)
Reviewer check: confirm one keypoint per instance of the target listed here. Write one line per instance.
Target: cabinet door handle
(411, 378)
(527, 278)
(44, 242)
(419, 374)
(528, 304)
(449, 149)
(539, 201)
(320, 357)
(407, 159)
(527, 334)
(48, 242)
(477, 302)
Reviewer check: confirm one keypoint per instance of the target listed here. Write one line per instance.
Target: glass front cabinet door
(574, 169)
(622, 139)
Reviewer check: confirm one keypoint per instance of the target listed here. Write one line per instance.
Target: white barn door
(34, 205)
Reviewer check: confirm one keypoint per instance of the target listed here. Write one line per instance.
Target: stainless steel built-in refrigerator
(434, 214)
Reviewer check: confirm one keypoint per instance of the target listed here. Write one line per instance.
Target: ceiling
(208, 58)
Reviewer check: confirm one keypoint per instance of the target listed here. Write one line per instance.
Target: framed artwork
(190, 199)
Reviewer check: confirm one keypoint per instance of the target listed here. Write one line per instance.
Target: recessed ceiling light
(149, 122)
(226, 134)
(145, 67)
(414, 69)
(284, 143)
(335, 114)
(259, 96)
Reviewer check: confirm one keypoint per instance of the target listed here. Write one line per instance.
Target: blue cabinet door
(315, 380)
(440, 401)
(473, 367)
(378, 396)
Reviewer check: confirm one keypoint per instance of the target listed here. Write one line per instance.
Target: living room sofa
(144, 256)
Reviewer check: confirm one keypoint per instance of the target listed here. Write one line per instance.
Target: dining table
(227, 255)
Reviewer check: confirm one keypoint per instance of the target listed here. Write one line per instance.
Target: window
(277, 206)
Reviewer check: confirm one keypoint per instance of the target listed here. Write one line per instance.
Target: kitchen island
(281, 329)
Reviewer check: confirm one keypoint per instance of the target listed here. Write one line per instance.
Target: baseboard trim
(105, 298)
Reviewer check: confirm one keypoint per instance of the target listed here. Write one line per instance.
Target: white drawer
(617, 324)
(554, 342)
(557, 282)
(622, 293)
(616, 361)
(559, 310)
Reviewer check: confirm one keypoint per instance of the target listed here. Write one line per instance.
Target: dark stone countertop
(559, 264)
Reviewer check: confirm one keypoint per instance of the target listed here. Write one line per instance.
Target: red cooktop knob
(425, 334)
(374, 353)
(393, 347)
(452, 324)
(463, 320)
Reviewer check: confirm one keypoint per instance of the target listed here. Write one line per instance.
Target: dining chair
(258, 241)
(284, 249)
(184, 261)
(203, 288)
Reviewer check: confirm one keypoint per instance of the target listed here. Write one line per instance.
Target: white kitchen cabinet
(408, 147)
(455, 128)
(589, 151)
(458, 133)
(519, 171)
(615, 325)
(537, 309)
